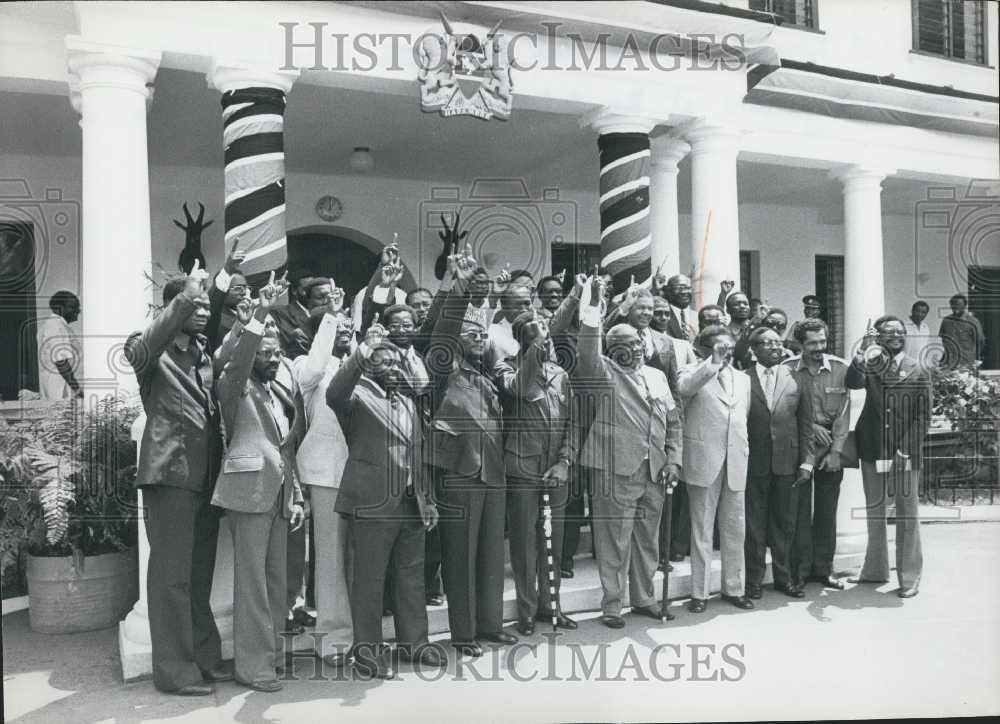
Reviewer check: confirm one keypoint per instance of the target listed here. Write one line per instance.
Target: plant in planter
(69, 511)
(971, 403)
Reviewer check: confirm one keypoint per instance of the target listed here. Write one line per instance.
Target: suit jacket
(537, 403)
(385, 443)
(289, 318)
(781, 438)
(897, 410)
(715, 426)
(323, 453)
(182, 440)
(259, 463)
(635, 418)
(466, 427)
(674, 328)
(671, 355)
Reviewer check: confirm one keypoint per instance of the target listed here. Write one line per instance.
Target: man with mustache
(178, 463)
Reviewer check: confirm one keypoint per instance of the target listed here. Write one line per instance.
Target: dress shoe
(303, 618)
(339, 659)
(661, 566)
(194, 690)
(789, 589)
(697, 605)
(435, 599)
(468, 648)
(647, 611)
(754, 591)
(374, 669)
(504, 639)
(293, 628)
(424, 655)
(525, 626)
(565, 572)
(859, 579)
(562, 620)
(676, 558)
(267, 687)
(221, 672)
(739, 601)
(831, 582)
(907, 592)
(612, 621)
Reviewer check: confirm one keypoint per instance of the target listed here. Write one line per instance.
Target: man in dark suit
(296, 313)
(779, 424)
(178, 462)
(677, 291)
(634, 445)
(467, 448)
(384, 494)
(890, 436)
(538, 453)
(260, 494)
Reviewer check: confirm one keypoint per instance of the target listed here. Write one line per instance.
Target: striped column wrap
(624, 204)
(253, 134)
(547, 530)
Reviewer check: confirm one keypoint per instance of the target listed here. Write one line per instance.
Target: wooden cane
(547, 530)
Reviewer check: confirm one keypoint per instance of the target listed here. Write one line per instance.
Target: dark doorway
(18, 322)
(830, 290)
(984, 302)
(575, 259)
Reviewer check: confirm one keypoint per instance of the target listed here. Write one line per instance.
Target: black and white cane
(668, 507)
(547, 530)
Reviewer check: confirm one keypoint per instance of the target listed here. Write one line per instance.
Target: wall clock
(329, 208)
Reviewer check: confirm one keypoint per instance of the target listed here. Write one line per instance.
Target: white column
(715, 224)
(110, 90)
(864, 274)
(664, 217)
(864, 300)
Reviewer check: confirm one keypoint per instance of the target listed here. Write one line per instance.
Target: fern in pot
(69, 514)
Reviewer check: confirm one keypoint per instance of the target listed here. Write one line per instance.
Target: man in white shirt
(921, 345)
(59, 350)
(514, 300)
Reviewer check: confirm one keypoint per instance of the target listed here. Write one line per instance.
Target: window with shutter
(801, 13)
(951, 28)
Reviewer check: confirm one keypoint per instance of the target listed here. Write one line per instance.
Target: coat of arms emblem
(463, 73)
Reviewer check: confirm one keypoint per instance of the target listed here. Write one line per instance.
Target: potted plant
(70, 512)
(971, 404)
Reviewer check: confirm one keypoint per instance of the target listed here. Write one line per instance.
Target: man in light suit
(258, 489)
(384, 494)
(680, 318)
(781, 463)
(890, 435)
(634, 445)
(178, 463)
(716, 446)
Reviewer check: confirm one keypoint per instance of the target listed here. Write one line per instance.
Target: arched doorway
(347, 255)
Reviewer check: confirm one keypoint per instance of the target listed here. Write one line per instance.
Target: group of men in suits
(468, 414)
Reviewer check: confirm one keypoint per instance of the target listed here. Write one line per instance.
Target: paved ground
(861, 652)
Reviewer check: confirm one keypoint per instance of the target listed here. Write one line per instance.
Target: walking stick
(547, 530)
(668, 506)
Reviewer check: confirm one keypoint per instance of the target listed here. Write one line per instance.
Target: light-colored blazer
(715, 425)
(323, 452)
(258, 461)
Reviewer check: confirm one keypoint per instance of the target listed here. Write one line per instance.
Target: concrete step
(583, 591)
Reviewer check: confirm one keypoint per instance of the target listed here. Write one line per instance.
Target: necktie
(724, 382)
(769, 387)
(684, 326)
(280, 419)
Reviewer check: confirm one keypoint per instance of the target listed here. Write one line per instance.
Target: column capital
(667, 151)
(228, 75)
(615, 120)
(711, 134)
(101, 65)
(861, 176)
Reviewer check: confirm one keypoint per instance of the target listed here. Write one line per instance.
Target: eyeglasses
(475, 335)
(238, 288)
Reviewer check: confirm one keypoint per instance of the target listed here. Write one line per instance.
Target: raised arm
(311, 369)
(143, 349)
(692, 378)
(568, 311)
(589, 362)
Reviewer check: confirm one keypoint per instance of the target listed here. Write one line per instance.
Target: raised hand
(561, 276)
(596, 291)
(376, 333)
(727, 285)
(392, 274)
(194, 285)
(390, 254)
(579, 282)
(235, 258)
(282, 284)
(722, 353)
(267, 297)
(244, 310)
(336, 300)
(451, 237)
(503, 278)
